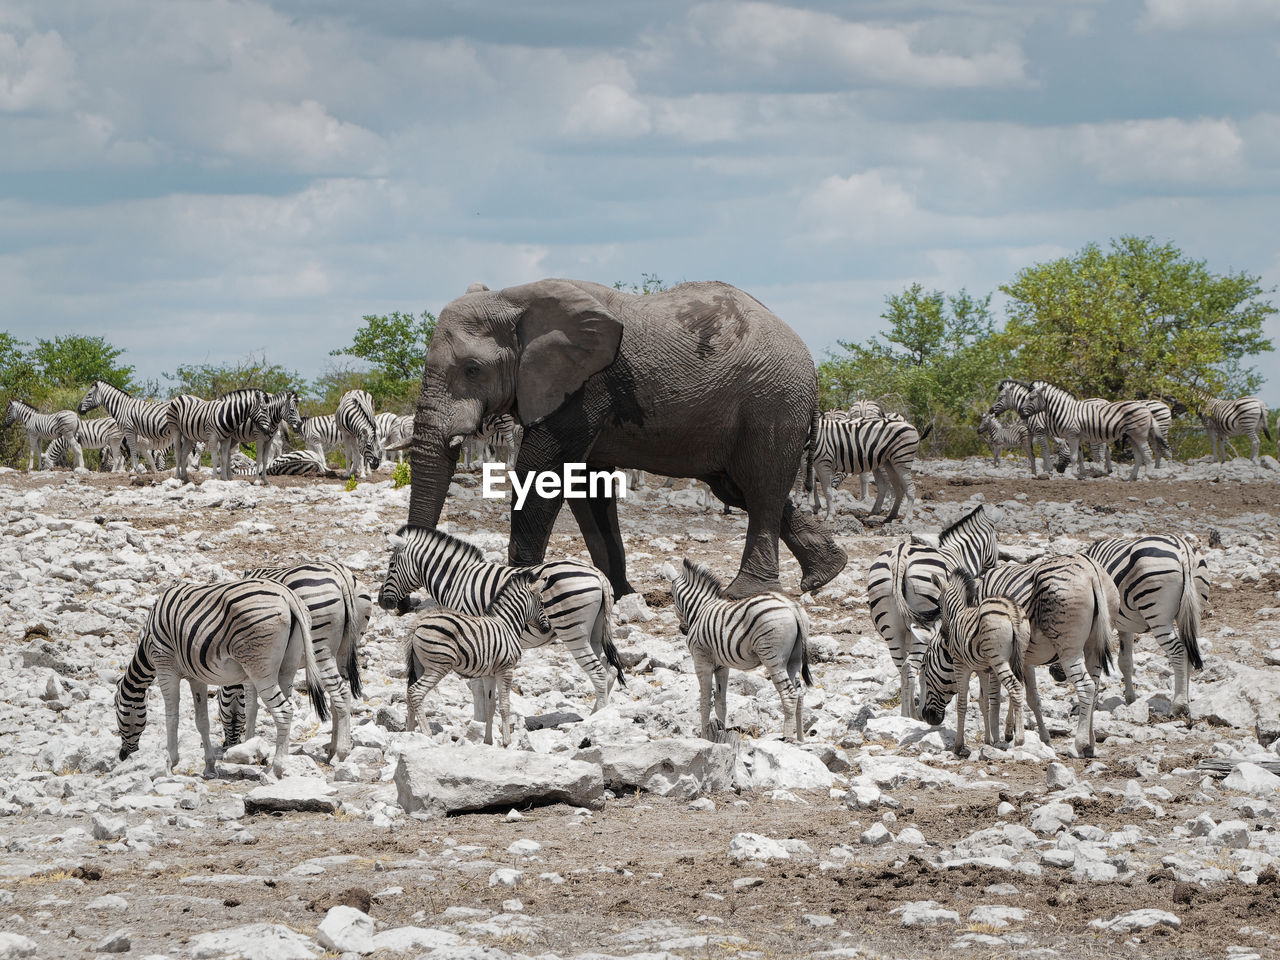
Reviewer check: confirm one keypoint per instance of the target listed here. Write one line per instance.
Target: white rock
(108, 902)
(774, 764)
(1052, 817)
(506, 877)
(997, 915)
(876, 835)
(1058, 776)
(410, 939)
(658, 766)
(1232, 834)
(1138, 920)
(108, 828)
(1202, 825)
(862, 797)
(524, 847)
(306, 794)
(631, 608)
(346, 929)
(256, 941)
(911, 837)
(753, 846)
(1251, 778)
(16, 945)
(924, 913)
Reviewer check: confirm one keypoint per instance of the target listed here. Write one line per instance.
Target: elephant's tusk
(456, 440)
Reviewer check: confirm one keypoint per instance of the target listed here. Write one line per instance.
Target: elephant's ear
(566, 335)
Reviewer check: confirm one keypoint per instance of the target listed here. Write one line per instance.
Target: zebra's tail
(928, 429)
(1021, 640)
(1265, 414)
(412, 673)
(1100, 632)
(351, 632)
(315, 686)
(811, 449)
(603, 628)
(1188, 619)
(802, 638)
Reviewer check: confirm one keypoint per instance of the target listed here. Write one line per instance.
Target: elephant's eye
(471, 370)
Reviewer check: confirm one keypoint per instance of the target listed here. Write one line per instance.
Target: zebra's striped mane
(960, 579)
(701, 578)
(469, 553)
(519, 581)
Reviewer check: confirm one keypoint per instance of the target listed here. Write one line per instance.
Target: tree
(1140, 319)
(649, 283)
(76, 361)
(396, 345)
(210, 380)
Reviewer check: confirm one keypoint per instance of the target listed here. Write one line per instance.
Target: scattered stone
(346, 929)
(683, 766)
(16, 945)
(1137, 920)
(1058, 776)
(108, 828)
(256, 941)
(876, 835)
(1251, 778)
(1232, 834)
(411, 939)
(115, 942)
(632, 607)
(753, 846)
(547, 721)
(997, 915)
(506, 877)
(440, 780)
(302, 794)
(746, 883)
(925, 913)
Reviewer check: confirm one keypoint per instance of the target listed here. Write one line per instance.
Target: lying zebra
(769, 630)
(295, 463)
(577, 597)
(482, 647)
(255, 630)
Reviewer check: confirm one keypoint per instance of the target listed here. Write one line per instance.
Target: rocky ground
(871, 840)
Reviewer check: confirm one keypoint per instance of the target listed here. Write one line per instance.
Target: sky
(199, 180)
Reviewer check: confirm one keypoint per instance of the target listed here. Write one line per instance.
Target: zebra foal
(43, 427)
(484, 647)
(769, 630)
(976, 636)
(576, 596)
(220, 635)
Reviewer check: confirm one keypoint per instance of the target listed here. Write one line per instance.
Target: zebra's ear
(670, 572)
(397, 542)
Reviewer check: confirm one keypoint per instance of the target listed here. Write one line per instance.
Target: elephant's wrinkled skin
(698, 381)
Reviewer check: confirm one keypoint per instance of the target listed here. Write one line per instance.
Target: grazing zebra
(904, 598)
(395, 433)
(339, 608)
(251, 416)
(101, 433)
(1078, 421)
(359, 432)
(1224, 419)
(254, 630)
(145, 425)
(767, 630)
(885, 448)
(43, 427)
(484, 647)
(191, 422)
(1001, 437)
(1162, 581)
(987, 636)
(1071, 603)
(577, 597)
(320, 433)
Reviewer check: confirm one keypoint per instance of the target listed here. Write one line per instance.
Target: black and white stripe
(577, 597)
(1224, 419)
(191, 422)
(1011, 395)
(1163, 582)
(1071, 604)
(904, 596)
(44, 427)
(101, 433)
(485, 647)
(767, 630)
(1005, 436)
(339, 608)
(249, 630)
(884, 448)
(299, 463)
(359, 432)
(145, 425)
(1090, 421)
(251, 416)
(395, 432)
(320, 433)
(975, 636)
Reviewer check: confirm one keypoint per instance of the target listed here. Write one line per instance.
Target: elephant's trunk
(433, 460)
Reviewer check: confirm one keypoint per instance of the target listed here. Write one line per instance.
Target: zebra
(251, 415)
(255, 630)
(885, 448)
(1161, 421)
(339, 608)
(319, 433)
(101, 433)
(482, 647)
(191, 422)
(395, 432)
(359, 432)
(904, 598)
(299, 463)
(769, 630)
(1010, 396)
(1079, 421)
(1001, 437)
(1223, 419)
(987, 636)
(1071, 604)
(867, 409)
(1163, 581)
(145, 424)
(498, 436)
(577, 597)
(43, 427)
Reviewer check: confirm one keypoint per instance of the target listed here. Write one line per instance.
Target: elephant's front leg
(598, 520)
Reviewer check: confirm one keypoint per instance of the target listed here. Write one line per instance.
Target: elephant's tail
(811, 449)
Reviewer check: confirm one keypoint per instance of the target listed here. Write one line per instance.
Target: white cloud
(862, 206)
(1185, 14)
(607, 110)
(1166, 150)
(304, 137)
(37, 73)
(776, 39)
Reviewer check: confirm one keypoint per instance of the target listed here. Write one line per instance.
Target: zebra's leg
(587, 659)
(1086, 692)
(1176, 650)
(250, 710)
(1004, 673)
(417, 692)
(77, 450)
(1033, 701)
(171, 691)
(490, 686)
(704, 671)
(504, 704)
(200, 698)
(721, 685)
(1126, 665)
(281, 709)
(1254, 444)
(776, 667)
(339, 701)
(986, 689)
(962, 707)
(231, 711)
(882, 488)
(900, 482)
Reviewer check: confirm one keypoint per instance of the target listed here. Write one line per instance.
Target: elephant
(701, 380)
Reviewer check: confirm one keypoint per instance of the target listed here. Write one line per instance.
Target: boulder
(16, 945)
(665, 767)
(346, 929)
(413, 939)
(304, 794)
(774, 764)
(753, 846)
(925, 913)
(256, 941)
(1251, 778)
(443, 780)
(1137, 920)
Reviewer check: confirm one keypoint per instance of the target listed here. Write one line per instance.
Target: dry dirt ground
(648, 873)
